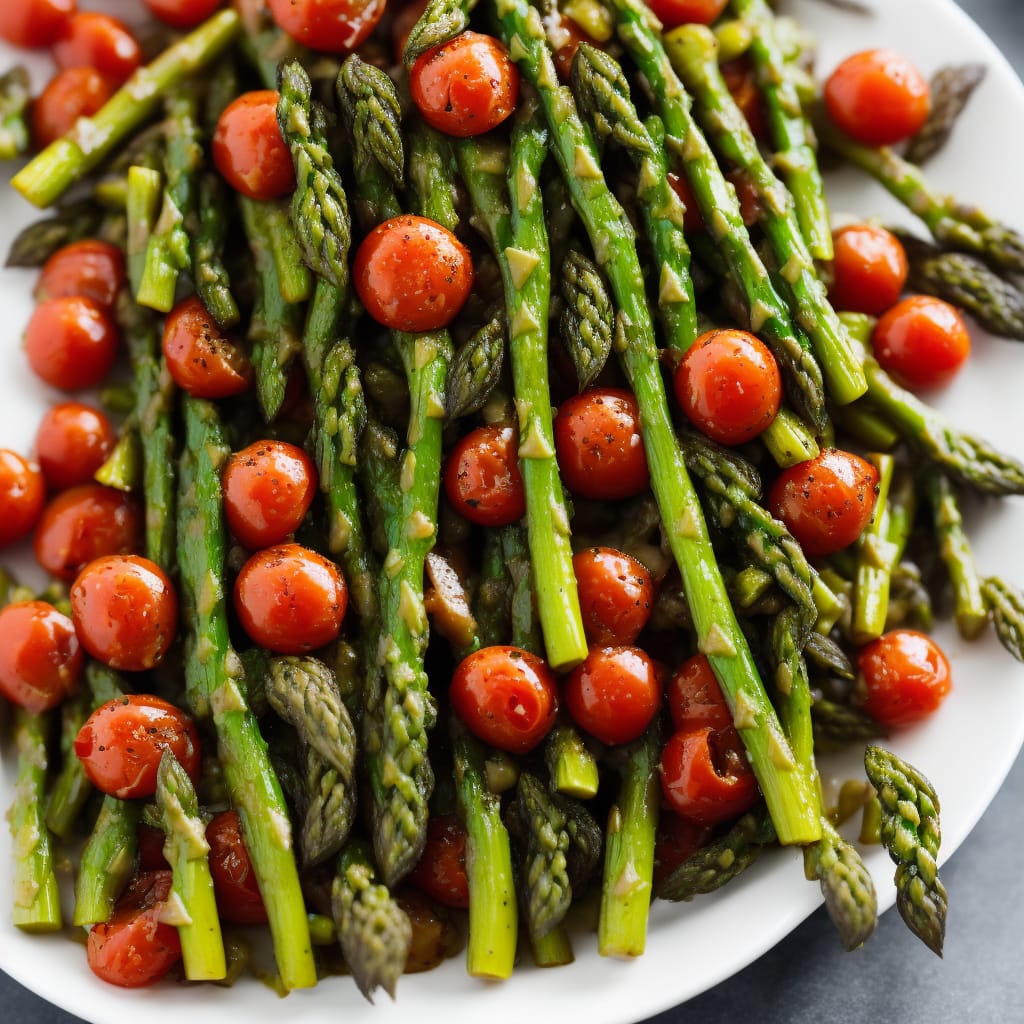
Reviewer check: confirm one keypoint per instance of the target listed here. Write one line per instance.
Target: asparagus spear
(440, 21)
(476, 369)
(571, 765)
(1006, 604)
(587, 321)
(839, 725)
(950, 89)
(718, 633)
(876, 558)
(15, 96)
(71, 788)
(33, 245)
(213, 285)
(329, 811)
(107, 861)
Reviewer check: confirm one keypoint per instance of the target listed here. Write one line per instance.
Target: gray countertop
(806, 977)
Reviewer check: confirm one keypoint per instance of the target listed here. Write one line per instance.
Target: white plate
(966, 749)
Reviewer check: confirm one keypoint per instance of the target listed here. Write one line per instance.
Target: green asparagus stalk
(213, 284)
(33, 245)
(107, 861)
(15, 96)
(876, 558)
(330, 809)
(1006, 605)
(476, 370)
(45, 178)
(587, 322)
(440, 21)
(789, 440)
(571, 765)
(122, 468)
(950, 88)
(839, 725)
(71, 788)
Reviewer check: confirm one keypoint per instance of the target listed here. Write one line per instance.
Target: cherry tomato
(676, 841)
(729, 386)
(869, 269)
(506, 696)
(441, 870)
(741, 81)
(564, 36)
(71, 343)
(84, 523)
(705, 775)
(234, 880)
(600, 450)
(22, 494)
(202, 360)
(93, 40)
(672, 13)
(290, 599)
(69, 95)
(72, 441)
(614, 693)
(905, 676)
(746, 194)
(183, 14)
(122, 741)
(877, 97)
(412, 274)
(34, 23)
(40, 656)
(151, 848)
(133, 949)
(335, 26)
(89, 267)
(922, 342)
(694, 697)
(466, 86)
(268, 488)
(125, 611)
(826, 501)
(249, 150)
(482, 479)
(616, 595)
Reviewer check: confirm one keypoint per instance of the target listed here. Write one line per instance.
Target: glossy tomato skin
(466, 86)
(71, 343)
(616, 595)
(89, 267)
(334, 26)
(672, 13)
(84, 523)
(34, 23)
(290, 599)
(877, 97)
(869, 269)
(826, 502)
(69, 95)
(72, 441)
(234, 880)
(151, 848)
(922, 341)
(412, 274)
(133, 949)
(22, 495)
(40, 655)
(694, 697)
(125, 610)
(249, 150)
(614, 693)
(202, 360)
(600, 450)
(741, 81)
(729, 386)
(122, 741)
(506, 696)
(183, 14)
(93, 40)
(441, 870)
(905, 677)
(482, 479)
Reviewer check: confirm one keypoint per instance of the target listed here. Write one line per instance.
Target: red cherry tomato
(69, 95)
(93, 40)
(705, 775)
(290, 600)
(412, 274)
(234, 880)
(672, 13)
(151, 848)
(905, 676)
(506, 696)
(741, 81)
(482, 479)
(676, 842)
(616, 595)
(122, 741)
(466, 86)
(922, 342)
(72, 441)
(564, 36)
(125, 611)
(869, 269)
(695, 699)
(729, 386)
(614, 693)
(746, 194)
(826, 502)
(133, 949)
(89, 267)
(248, 148)
(85, 523)
(600, 450)
(335, 26)
(22, 494)
(877, 97)
(202, 360)
(34, 23)
(71, 343)
(268, 488)
(183, 14)
(40, 657)
(441, 870)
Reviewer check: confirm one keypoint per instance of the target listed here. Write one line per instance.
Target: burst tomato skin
(482, 479)
(234, 880)
(695, 699)
(905, 677)
(69, 95)
(122, 741)
(333, 26)
(40, 655)
(183, 14)
(869, 269)
(506, 696)
(22, 495)
(72, 441)
(616, 595)
(34, 23)
(676, 842)
(249, 150)
(202, 360)
(89, 267)
(71, 343)
(441, 870)
(90, 39)
(922, 341)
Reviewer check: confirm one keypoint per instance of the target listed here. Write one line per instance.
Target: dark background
(806, 978)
